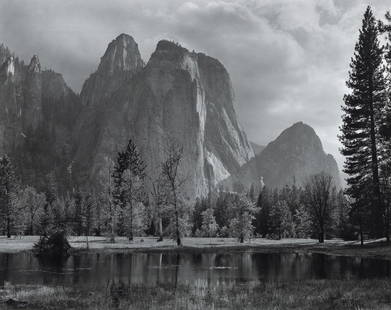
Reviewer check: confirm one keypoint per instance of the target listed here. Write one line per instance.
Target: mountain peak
(168, 50)
(291, 158)
(122, 55)
(34, 65)
(300, 134)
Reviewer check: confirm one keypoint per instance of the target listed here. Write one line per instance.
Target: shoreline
(371, 249)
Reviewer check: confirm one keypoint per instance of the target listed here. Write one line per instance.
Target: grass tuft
(312, 294)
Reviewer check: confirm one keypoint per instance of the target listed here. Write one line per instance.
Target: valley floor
(373, 248)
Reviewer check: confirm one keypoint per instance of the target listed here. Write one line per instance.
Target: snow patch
(219, 170)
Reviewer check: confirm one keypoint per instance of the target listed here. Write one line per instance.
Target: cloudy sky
(288, 59)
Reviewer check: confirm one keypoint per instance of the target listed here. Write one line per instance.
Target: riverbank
(311, 294)
(374, 248)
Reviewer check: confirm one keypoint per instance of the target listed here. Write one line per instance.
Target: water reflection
(207, 269)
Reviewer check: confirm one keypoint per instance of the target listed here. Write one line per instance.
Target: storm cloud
(288, 60)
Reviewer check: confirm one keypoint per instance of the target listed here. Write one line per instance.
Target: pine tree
(262, 219)
(128, 175)
(134, 179)
(78, 212)
(87, 215)
(360, 130)
(241, 225)
(119, 194)
(281, 220)
(33, 205)
(50, 198)
(302, 222)
(209, 226)
(7, 192)
(385, 130)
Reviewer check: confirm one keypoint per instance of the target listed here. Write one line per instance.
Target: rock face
(179, 95)
(296, 154)
(37, 113)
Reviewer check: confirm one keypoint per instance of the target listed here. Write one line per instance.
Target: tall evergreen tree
(50, 198)
(7, 190)
(129, 174)
(385, 129)
(360, 130)
(78, 212)
(119, 194)
(263, 221)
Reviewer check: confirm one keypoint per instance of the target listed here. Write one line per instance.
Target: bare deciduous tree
(158, 190)
(170, 173)
(320, 200)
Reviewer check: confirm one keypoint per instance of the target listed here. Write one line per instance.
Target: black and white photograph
(195, 154)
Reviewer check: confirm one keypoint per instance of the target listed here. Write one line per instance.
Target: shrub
(54, 246)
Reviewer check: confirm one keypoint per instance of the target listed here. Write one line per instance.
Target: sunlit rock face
(180, 95)
(296, 154)
(37, 115)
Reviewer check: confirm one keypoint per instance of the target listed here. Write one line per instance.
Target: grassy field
(314, 294)
(372, 248)
(23, 243)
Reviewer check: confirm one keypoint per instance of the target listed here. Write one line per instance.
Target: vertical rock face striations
(37, 113)
(296, 154)
(178, 95)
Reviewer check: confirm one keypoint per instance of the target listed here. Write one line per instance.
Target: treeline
(316, 210)
(130, 203)
(366, 129)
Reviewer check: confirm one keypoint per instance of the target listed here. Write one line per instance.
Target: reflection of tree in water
(5, 266)
(177, 262)
(76, 266)
(174, 269)
(244, 264)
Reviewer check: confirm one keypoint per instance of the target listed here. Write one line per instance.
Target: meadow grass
(310, 294)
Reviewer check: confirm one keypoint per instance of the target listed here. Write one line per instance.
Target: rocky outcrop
(296, 154)
(180, 95)
(37, 116)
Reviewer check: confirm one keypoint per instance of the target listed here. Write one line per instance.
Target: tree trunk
(377, 221)
(112, 236)
(178, 238)
(387, 222)
(321, 237)
(241, 238)
(131, 222)
(31, 229)
(8, 227)
(160, 230)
